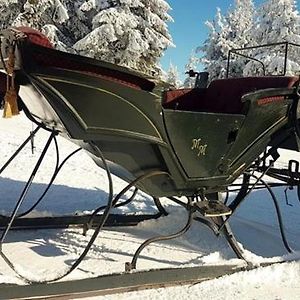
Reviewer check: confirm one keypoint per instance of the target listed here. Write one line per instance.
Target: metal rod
(159, 206)
(117, 198)
(177, 201)
(19, 149)
(227, 232)
(92, 239)
(236, 51)
(278, 213)
(244, 194)
(285, 57)
(265, 46)
(57, 170)
(25, 190)
(132, 265)
(228, 63)
(252, 58)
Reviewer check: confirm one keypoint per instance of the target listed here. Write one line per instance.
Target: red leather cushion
(184, 99)
(35, 37)
(223, 95)
(175, 94)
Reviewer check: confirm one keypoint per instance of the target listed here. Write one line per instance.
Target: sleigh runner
(165, 142)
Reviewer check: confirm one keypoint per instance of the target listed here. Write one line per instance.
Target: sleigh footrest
(213, 208)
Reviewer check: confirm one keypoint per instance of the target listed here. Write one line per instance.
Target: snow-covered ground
(81, 187)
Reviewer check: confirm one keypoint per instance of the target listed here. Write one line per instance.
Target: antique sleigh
(166, 142)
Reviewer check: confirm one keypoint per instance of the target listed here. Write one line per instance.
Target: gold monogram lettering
(201, 148)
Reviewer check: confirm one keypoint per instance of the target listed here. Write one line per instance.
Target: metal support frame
(118, 197)
(223, 225)
(25, 190)
(112, 201)
(216, 224)
(238, 51)
(28, 139)
(129, 266)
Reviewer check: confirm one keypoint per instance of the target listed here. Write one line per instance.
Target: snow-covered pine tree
(214, 49)
(9, 10)
(277, 21)
(132, 33)
(227, 32)
(240, 22)
(80, 21)
(44, 15)
(172, 76)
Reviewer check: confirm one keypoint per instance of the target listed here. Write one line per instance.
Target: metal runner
(71, 221)
(117, 283)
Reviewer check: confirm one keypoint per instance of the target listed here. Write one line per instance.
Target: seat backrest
(35, 37)
(183, 99)
(223, 95)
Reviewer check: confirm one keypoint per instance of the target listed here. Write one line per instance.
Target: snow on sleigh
(168, 143)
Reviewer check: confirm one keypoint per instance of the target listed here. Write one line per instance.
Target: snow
(132, 33)
(82, 186)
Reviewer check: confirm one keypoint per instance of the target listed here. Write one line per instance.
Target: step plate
(213, 208)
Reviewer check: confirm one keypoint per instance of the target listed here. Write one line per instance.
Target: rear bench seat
(223, 95)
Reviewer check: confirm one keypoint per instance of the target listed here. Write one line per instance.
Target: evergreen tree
(227, 32)
(172, 76)
(45, 15)
(81, 14)
(277, 21)
(240, 24)
(215, 48)
(132, 33)
(125, 32)
(9, 10)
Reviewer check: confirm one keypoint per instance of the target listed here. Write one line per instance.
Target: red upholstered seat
(223, 95)
(184, 99)
(35, 37)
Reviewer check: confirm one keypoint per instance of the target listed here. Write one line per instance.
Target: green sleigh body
(200, 139)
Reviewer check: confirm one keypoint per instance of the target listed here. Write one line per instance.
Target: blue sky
(189, 30)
